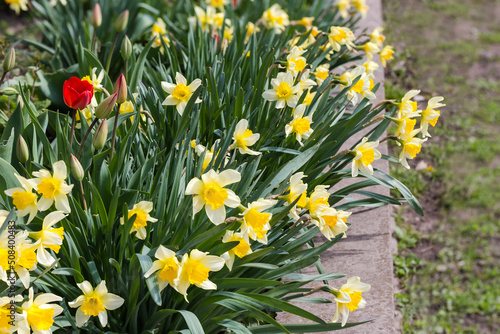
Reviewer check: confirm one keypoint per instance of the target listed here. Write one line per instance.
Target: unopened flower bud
(104, 109)
(121, 89)
(126, 49)
(100, 135)
(121, 21)
(96, 18)
(22, 151)
(10, 60)
(76, 168)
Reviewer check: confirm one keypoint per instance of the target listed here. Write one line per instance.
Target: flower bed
(184, 194)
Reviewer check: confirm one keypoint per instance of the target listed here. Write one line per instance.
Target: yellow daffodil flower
(208, 19)
(180, 93)
(141, 210)
(166, 267)
(370, 67)
(53, 188)
(305, 82)
(217, 3)
(344, 6)
(25, 256)
(94, 79)
(309, 97)
(430, 115)
(210, 193)
(407, 106)
(349, 298)
(24, 199)
(366, 154)
(411, 146)
(240, 250)
(318, 199)
(9, 325)
(321, 73)
(361, 7)
(386, 54)
(295, 61)
(17, 5)
(195, 268)
(339, 36)
(283, 91)
(87, 113)
(370, 49)
(300, 125)
(159, 32)
(251, 29)
(306, 22)
(39, 313)
(376, 37)
(94, 303)
(49, 237)
(276, 18)
(255, 222)
(331, 222)
(362, 87)
(244, 137)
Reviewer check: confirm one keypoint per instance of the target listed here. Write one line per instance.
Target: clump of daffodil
(166, 267)
(180, 92)
(361, 7)
(195, 269)
(344, 6)
(53, 188)
(365, 154)
(349, 298)
(300, 125)
(240, 250)
(255, 222)
(159, 32)
(411, 145)
(8, 324)
(141, 210)
(244, 137)
(430, 115)
(295, 61)
(386, 54)
(94, 303)
(276, 18)
(25, 259)
(340, 36)
(363, 87)
(284, 92)
(321, 73)
(49, 237)
(24, 199)
(210, 193)
(370, 49)
(331, 222)
(39, 313)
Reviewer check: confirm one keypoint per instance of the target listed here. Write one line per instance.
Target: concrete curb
(367, 251)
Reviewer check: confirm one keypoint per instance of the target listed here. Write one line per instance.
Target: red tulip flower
(77, 93)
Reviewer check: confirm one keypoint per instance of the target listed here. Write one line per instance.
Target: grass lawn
(449, 260)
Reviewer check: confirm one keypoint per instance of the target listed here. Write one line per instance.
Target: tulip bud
(76, 168)
(10, 60)
(121, 89)
(121, 21)
(104, 109)
(126, 49)
(100, 135)
(22, 151)
(96, 18)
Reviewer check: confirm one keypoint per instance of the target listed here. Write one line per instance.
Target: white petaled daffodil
(95, 80)
(411, 146)
(295, 61)
(407, 106)
(362, 87)
(24, 199)
(166, 267)
(217, 3)
(430, 115)
(331, 222)
(141, 210)
(207, 20)
(318, 199)
(283, 91)
(240, 250)
(305, 82)
(244, 137)
(339, 36)
(297, 188)
(386, 54)
(370, 49)
(377, 37)
(405, 126)
(210, 193)
(25, 256)
(366, 154)
(39, 313)
(95, 303)
(276, 18)
(321, 73)
(159, 32)
(8, 324)
(344, 6)
(255, 222)
(49, 237)
(180, 92)
(18, 5)
(195, 268)
(53, 188)
(361, 7)
(308, 99)
(300, 125)
(349, 298)
(370, 67)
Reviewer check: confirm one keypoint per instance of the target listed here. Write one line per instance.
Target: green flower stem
(83, 196)
(72, 133)
(85, 137)
(3, 78)
(113, 137)
(111, 53)
(92, 46)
